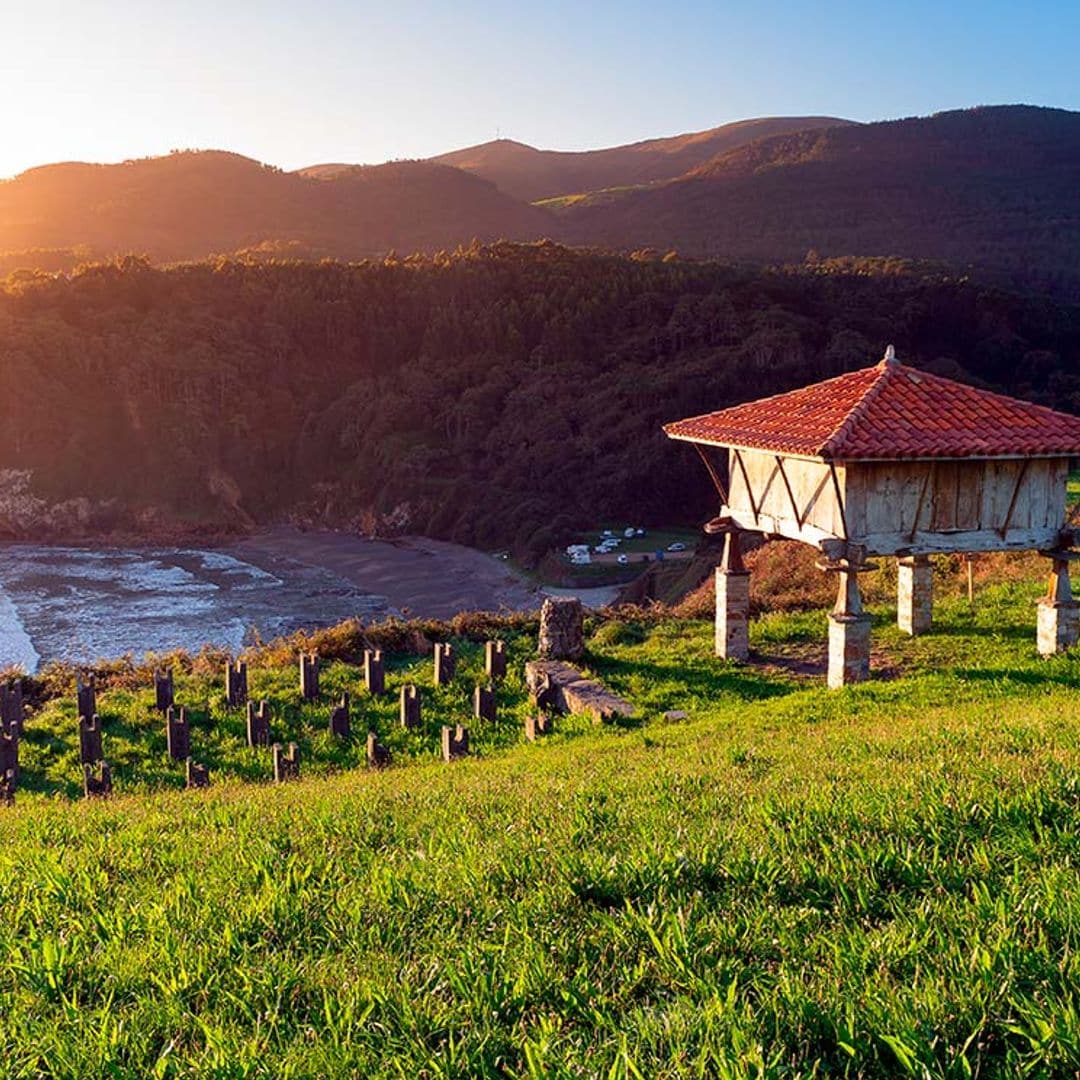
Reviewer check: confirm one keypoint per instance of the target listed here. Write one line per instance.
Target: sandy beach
(419, 577)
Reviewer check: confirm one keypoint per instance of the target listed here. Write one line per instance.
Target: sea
(80, 604)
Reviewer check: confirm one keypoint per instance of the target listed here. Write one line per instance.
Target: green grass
(874, 882)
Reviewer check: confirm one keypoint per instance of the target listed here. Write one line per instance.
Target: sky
(307, 81)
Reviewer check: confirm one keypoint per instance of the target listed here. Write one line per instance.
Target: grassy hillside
(791, 882)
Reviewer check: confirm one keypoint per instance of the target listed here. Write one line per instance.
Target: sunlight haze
(296, 85)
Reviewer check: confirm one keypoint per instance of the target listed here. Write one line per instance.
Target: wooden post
(732, 602)
(970, 561)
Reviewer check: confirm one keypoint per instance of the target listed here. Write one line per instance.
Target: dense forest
(500, 396)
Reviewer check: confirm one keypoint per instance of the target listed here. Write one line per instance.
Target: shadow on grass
(693, 678)
(1021, 676)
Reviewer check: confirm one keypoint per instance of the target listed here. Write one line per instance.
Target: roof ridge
(855, 413)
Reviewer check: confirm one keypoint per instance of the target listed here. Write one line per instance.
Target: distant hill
(530, 174)
(996, 188)
(994, 191)
(191, 204)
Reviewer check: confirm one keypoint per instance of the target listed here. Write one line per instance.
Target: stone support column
(1057, 611)
(914, 594)
(849, 634)
(732, 603)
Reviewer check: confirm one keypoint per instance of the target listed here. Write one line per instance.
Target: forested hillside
(499, 396)
(193, 204)
(993, 191)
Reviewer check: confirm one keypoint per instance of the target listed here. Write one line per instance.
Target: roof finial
(890, 356)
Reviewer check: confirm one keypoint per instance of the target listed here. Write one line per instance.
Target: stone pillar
(849, 634)
(914, 594)
(1057, 612)
(732, 603)
(561, 629)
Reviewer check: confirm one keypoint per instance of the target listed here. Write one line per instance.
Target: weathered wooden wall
(813, 496)
(901, 507)
(955, 505)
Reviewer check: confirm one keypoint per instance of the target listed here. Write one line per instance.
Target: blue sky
(299, 83)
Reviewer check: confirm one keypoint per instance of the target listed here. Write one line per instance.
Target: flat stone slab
(559, 685)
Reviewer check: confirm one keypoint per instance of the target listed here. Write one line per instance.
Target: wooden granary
(888, 460)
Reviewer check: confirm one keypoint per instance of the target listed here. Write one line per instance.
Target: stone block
(849, 650)
(97, 780)
(455, 743)
(309, 676)
(378, 756)
(484, 703)
(12, 708)
(557, 685)
(86, 696)
(236, 684)
(258, 723)
(374, 672)
(164, 692)
(495, 659)
(1057, 627)
(914, 594)
(286, 764)
(732, 641)
(445, 663)
(410, 706)
(9, 754)
(562, 629)
(89, 740)
(177, 733)
(198, 776)
(339, 719)
(537, 725)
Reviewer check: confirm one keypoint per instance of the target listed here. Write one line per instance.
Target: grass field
(792, 882)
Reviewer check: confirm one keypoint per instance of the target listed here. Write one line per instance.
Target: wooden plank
(969, 495)
(943, 495)
(1021, 511)
(936, 543)
(776, 526)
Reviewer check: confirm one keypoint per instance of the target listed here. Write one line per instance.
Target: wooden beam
(776, 526)
(922, 498)
(717, 482)
(1012, 502)
(790, 493)
(749, 491)
(839, 498)
(949, 543)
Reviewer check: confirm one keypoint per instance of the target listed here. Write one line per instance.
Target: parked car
(623, 559)
(677, 546)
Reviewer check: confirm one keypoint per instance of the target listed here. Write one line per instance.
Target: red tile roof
(888, 411)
